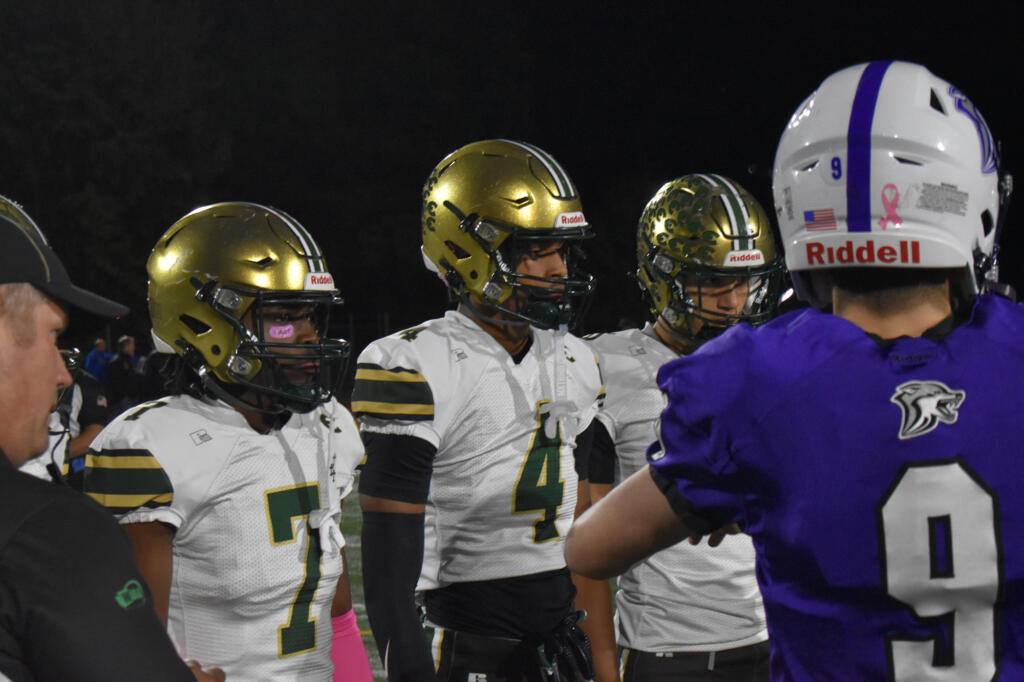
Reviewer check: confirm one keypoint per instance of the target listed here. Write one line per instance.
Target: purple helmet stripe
(858, 153)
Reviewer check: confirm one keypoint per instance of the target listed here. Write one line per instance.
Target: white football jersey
(256, 553)
(502, 492)
(57, 448)
(686, 597)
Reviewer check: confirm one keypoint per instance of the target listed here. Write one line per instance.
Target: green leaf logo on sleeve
(130, 595)
(396, 393)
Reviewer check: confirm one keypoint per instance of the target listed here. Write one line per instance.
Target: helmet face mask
(706, 258)
(283, 351)
(886, 165)
(255, 329)
(484, 206)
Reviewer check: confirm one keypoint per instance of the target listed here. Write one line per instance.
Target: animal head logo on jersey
(926, 404)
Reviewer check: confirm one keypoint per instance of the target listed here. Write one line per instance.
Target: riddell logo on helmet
(753, 257)
(906, 251)
(319, 280)
(573, 219)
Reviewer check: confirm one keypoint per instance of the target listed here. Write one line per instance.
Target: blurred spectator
(97, 359)
(123, 383)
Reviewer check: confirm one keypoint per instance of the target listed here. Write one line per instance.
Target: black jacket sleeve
(73, 605)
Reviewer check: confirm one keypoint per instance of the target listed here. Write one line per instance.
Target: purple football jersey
(881, 486)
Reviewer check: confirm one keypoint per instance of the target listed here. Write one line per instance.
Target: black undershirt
(505, 607)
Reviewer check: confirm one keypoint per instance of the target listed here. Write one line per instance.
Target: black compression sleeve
(392, 557)
(397, 467)
(582, 453)
(602, 455)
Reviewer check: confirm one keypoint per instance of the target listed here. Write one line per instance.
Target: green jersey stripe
(396, 392)
(147, 482)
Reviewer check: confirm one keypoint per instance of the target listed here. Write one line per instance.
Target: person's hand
(208, 675)
(715, 538)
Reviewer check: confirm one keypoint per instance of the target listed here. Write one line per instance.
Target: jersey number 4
(942, 558)
(540, 487)
(284, 506)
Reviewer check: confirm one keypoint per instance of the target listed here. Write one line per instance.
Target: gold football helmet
(696, 235)
(218, 276)
(482, 205)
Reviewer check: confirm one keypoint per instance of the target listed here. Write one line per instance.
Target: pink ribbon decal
(284, 331)
(890, 202)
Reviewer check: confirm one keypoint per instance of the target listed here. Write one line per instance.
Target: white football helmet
(886, 165)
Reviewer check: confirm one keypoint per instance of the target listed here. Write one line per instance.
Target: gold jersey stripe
(391, 408)
(129, 462)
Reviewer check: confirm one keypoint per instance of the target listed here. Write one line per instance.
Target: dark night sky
(123, 115)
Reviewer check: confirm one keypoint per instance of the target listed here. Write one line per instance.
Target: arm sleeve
(602, 455)
(392, 547)
(84, 609)
(397, 467)
(584, 451)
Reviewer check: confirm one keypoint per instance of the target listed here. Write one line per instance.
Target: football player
(470, 423)
(707, 259)
(230, 488)
(872, 453)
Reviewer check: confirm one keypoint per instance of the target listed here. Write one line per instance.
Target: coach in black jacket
(73, 605)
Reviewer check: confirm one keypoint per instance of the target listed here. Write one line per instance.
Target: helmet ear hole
(457, 250)
(197, 327)
(986, 222)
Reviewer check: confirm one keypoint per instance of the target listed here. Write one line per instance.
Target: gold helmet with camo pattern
(697, 234)
(217, 277)
(483, 204)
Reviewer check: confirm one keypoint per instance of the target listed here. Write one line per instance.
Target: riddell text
(907, 251)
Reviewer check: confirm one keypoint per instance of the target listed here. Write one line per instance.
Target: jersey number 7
(284, 505)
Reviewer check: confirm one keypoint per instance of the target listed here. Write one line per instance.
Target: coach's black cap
(26, 257)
